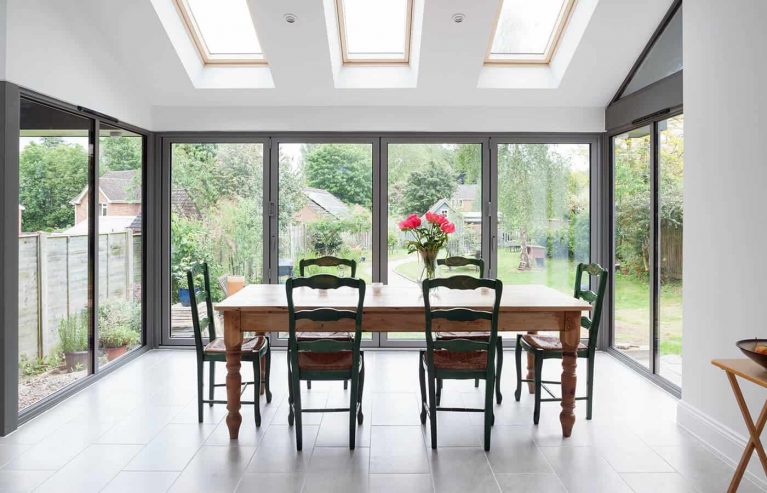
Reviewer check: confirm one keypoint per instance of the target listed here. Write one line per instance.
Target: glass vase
(429, 263)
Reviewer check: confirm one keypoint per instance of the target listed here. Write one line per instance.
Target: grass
(632, 298)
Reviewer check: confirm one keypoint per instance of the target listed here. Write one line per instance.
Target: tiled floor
(136, 431)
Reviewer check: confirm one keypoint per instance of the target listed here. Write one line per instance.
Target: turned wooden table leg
(570, 337)
(754, 431)
(530, 371)
(233, 341)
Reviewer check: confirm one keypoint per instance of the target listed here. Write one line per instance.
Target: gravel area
(35, 388)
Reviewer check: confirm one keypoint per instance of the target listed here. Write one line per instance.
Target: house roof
(466, 192)
(118, 186)
(182, 204)
(326, 202)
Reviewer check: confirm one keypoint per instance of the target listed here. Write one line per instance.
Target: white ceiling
(449, 59)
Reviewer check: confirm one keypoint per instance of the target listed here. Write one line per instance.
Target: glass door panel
(632, 202)
(216, 217)
(325, 207)
(439, 178)
(670, 202)
(55, 260)
(121, 158)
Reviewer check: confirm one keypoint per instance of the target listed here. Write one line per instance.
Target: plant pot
(234, 284)
(73, 361)
(115, 352)
(183, 297)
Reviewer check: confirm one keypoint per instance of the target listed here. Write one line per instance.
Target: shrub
(119, 323)
(73, 332)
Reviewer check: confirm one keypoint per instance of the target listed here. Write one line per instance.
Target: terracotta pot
(234, 284)
(74, 360)
(115, 352)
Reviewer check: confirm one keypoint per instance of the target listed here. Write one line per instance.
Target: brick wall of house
(123, 209)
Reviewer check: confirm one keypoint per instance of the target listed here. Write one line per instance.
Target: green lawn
(632, 313)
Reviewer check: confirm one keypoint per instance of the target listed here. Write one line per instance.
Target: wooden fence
(53, 281)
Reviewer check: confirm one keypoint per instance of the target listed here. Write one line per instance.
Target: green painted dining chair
(326, 261)
(254, 350)
(325, 359)
(451, 262)
(544, 347)
(460, 358)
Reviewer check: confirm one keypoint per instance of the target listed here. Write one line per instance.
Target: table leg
(754, 431)
(233, 341)
(570, 337)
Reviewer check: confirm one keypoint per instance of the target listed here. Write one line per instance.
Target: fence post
(42, 293)
(129, 264)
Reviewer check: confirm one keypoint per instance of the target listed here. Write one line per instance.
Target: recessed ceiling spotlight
(458, 18)
(290, 18)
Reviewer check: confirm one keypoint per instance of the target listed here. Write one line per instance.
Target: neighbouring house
(321, 204)
(119, 203)
(465, 198)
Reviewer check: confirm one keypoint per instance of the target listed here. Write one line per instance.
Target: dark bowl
(747, 346)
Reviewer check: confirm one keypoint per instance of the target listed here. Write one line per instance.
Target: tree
(425, 186)
(345, 170)
(120, 153)
(51, 174)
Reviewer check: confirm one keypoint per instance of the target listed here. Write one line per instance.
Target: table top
(518, 297)
(744, 368)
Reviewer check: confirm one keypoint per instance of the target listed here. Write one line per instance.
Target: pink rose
(447, 227)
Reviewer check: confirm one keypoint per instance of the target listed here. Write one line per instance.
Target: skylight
(529, 31)
(375, 31)
(222, 31)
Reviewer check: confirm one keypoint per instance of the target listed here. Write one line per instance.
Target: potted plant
(73, 339)
(428, 239)
(119, 326)
(179, 276)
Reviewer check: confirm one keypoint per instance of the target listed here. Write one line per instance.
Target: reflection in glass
(54, 275)
(375, 30)
(632, 195)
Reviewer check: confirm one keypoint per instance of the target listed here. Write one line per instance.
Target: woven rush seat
(455, 360)
(547, 343)
(248, 345)
(313, 361)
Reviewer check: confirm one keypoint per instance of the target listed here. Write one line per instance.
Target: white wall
(379, 118)
(52, 50)
(725, 238)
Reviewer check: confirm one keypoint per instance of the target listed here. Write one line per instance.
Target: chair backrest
(467, 315)
(327, 261)
(199, 290)
(325, 314)
(462, 262)
(591, 323)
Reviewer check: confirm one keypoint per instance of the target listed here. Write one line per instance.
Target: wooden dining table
(262, 308)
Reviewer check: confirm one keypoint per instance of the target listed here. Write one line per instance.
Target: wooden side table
(748, 370)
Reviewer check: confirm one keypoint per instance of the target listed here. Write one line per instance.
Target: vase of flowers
(428, 239)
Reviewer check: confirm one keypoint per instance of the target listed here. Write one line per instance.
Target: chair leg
(211, 382)
(499, 350)
(257, 390)
(346, 384)
(422, 383)
(518, 363)
(360, 416)
(439, 391)
(489, 418)
(268, 373)
(476, 383)
(353, 408)
(589, 387)
(199, 389)
(297, 410)
(538, 384)
(309, 384)
(433, 409)
(291, 413)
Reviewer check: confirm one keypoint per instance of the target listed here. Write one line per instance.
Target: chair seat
(335, 336)
(472, 336)
(455, 360)
(547, 343)
(314, 361)
(248, 345)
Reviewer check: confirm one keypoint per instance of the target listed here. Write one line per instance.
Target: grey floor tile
(22, 481)
(513, 450)
(526, 483)
(214, 469)
(460, 469)
(92, 470)
(335, 483)
(140, 426)
(9, 451)
(339, 460)
(273, 482)
(141, 481)
(410, 483)
(172, 448)
(334, 431)
(583, 469)
(398, 449)
(668, 482)
(395, 408)
(277, 452)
